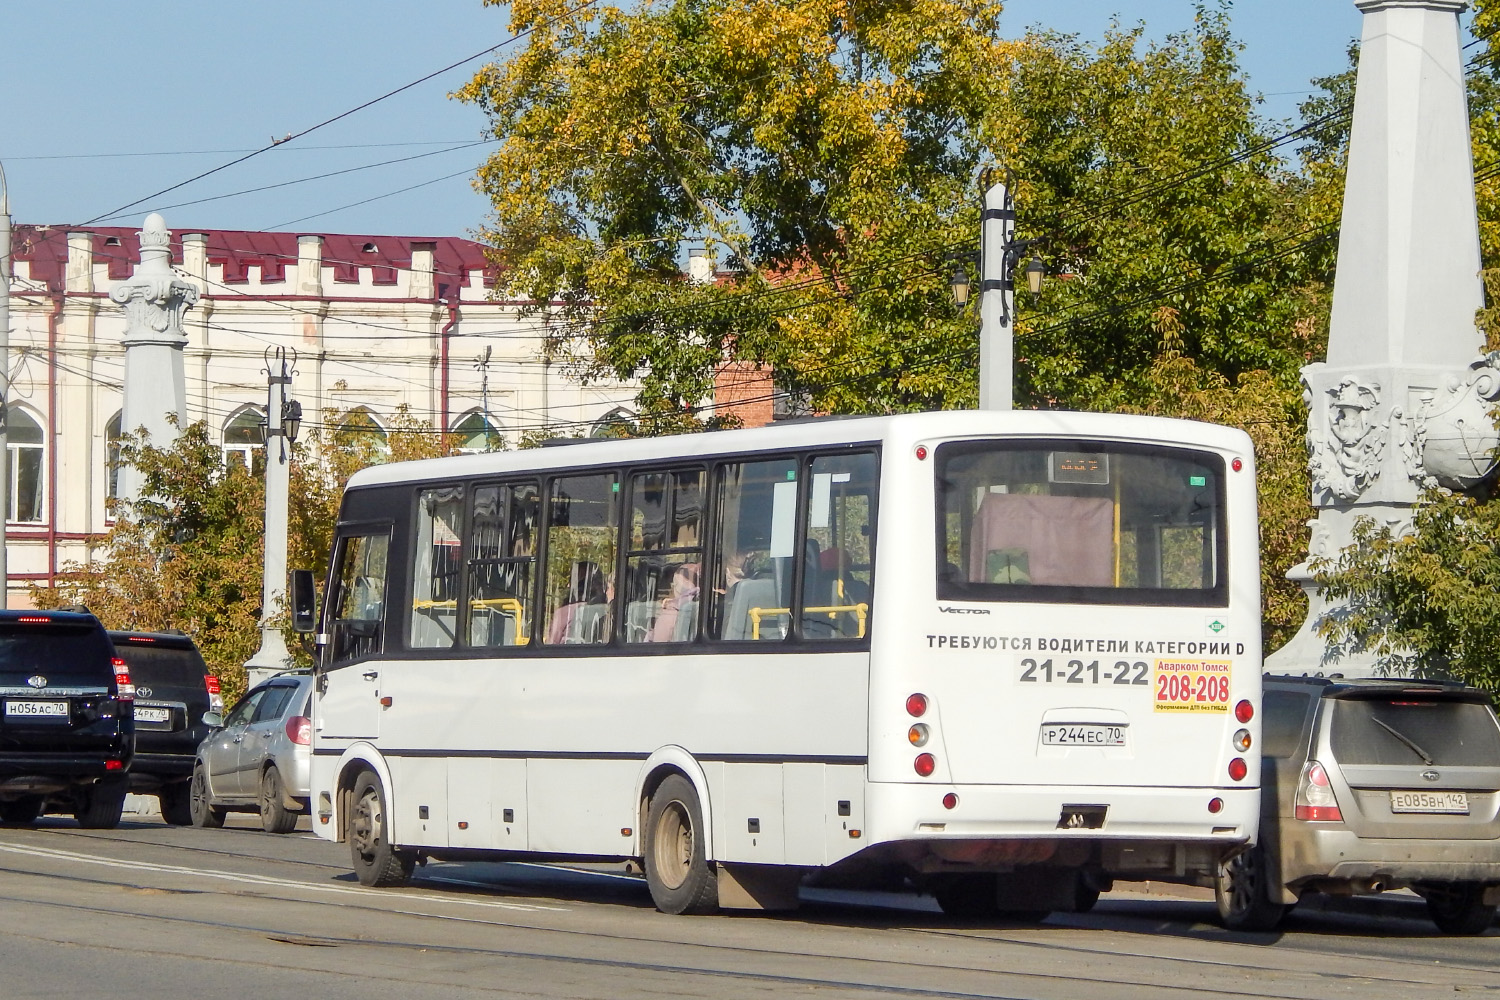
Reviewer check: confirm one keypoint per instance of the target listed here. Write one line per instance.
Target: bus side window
(664, 557)
(434, 598)
(582, 520)
(840, 547)
(502, 564)
(357, 628)
(755, 549)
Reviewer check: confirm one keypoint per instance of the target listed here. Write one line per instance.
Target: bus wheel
(677, 869)
(967, 897)
(375, 861)
(1242, 891)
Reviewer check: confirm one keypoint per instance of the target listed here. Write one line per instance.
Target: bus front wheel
(375, 860)
(676, 861)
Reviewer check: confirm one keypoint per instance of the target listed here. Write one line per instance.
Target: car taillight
(1315, 801)
(215, 699)
(299, 730)
(122, 680)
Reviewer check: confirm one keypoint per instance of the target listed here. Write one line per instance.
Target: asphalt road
(154, 911)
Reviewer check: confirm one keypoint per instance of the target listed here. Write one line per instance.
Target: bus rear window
(1080, 522)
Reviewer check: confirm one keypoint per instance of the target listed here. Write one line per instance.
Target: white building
(377, 322)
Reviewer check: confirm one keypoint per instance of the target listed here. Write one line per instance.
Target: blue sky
(109, 103)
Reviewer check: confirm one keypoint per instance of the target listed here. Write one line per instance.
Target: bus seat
(587, 624)
(639, 617)
(686, 627)
(1049, 540)
(749, 594)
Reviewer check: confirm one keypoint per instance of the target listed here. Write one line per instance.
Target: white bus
(1005, 656)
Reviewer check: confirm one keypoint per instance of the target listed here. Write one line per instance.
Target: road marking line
(262, 880)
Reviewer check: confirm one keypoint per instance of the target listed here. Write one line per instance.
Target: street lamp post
(282, 422)
(999, 254)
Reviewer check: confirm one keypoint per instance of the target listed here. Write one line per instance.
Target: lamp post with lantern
(999, 254)
(282, 422)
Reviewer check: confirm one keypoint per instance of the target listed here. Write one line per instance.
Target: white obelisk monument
(1403, 399)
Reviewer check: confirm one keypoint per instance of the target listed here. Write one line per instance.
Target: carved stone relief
(1345, 453)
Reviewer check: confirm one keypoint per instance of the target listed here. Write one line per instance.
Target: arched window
(477, 434)
(244, 439)
(112, 456)
(360, 431)
(27, 447)
(605, 426)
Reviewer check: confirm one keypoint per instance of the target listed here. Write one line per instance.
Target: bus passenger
(683, 598)
(587, 591)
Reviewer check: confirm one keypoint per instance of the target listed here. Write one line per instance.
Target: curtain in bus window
(1046, 540)
(435, 569)
(756, 536)
(359, 604)
(502, 564)
(664, 562)
(582, 523)
(839, 548)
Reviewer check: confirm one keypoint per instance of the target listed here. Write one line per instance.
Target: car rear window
(1400, 731)
(1283, 713)
(162, 664)
(62, 653)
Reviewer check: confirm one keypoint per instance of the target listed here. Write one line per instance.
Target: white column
(154, 301)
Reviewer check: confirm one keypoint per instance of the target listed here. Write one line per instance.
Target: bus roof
(893, 429)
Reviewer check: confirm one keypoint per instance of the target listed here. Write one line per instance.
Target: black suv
(173, 690)
(67, 732)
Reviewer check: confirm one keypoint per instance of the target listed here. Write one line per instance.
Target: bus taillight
(1215, 805)
(950, 801)
(918, 734)
(1244, 712)
(1242, 740)
(1238, 769)
(925, 764)
(916, 705)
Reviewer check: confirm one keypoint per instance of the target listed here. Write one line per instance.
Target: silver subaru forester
(1373, 785)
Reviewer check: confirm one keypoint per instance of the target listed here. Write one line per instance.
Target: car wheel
(1242, 889)
(176, 803)
(98, 806)
(1459, 907)
(275, 817)
(21, 811)
(376, 861)
(676, 860)
(200, 801)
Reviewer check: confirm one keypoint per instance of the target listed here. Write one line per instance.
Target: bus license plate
(36, 710)
(152, 714)
(1073, 735)
(1430, 802)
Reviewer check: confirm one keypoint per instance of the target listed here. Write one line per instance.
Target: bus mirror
(304, 601)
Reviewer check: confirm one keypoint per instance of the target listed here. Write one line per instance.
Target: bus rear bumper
(1122, 830)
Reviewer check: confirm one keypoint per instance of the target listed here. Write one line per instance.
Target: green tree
(187, 556)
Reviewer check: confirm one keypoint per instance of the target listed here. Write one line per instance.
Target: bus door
(354, 636)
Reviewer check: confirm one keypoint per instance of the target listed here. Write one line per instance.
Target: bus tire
(967, 897)
(676, 860)
(375, 860)
(1242, 892)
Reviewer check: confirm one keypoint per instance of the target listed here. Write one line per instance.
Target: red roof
(46, 248)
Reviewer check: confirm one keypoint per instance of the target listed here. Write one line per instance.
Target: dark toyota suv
(173, 690)
(67, 731)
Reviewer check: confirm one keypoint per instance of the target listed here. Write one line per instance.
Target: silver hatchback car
(1371, 785)
(258, 758)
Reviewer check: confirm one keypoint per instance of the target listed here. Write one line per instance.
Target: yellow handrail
(861, 612)
(506, 604)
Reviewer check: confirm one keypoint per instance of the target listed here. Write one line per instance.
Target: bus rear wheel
(676, 862)
(376, 862)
